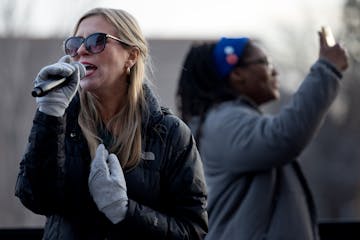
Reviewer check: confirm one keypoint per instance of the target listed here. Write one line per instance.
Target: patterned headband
(227, 53)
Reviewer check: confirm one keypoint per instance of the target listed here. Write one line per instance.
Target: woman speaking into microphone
(105, 160)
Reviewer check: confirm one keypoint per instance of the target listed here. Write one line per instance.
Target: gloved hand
(56, 101)
(107, 185)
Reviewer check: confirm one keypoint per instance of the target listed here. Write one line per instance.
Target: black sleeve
(40, 179)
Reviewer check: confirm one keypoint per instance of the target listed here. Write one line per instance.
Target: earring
(128, 70)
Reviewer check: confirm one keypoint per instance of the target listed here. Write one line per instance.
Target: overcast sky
(182, 18)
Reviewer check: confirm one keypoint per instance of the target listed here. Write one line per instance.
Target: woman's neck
(111, 104)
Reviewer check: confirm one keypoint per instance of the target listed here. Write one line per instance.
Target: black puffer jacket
(167, 194)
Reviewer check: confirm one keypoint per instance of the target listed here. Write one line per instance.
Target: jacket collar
(247, 101)
(153, 113)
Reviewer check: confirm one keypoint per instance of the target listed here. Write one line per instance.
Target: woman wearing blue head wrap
(256, 188)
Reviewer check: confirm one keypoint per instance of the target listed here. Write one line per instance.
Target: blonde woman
(104, 160)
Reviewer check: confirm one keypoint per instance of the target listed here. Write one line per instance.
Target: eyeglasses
(94, 43)
(263, 61)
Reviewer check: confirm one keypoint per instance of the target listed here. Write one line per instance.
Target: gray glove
(107, 185)
(56, 101)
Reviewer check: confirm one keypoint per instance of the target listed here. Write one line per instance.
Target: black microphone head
(81, 68)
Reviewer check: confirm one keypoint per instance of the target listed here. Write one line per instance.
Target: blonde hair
(126, 125)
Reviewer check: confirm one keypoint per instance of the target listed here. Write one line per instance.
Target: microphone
(48, 86)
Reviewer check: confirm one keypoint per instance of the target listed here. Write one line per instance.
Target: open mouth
(90, 68)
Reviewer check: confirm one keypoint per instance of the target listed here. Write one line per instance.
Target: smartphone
(329, 37)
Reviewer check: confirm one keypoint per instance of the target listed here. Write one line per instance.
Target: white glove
(56, 101)
(107, 185)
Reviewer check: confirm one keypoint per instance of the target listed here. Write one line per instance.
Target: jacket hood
(152, 112)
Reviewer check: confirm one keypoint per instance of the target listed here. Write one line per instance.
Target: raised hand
(336, 54)
(56, 101)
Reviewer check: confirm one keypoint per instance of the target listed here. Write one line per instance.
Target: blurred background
(31, 36)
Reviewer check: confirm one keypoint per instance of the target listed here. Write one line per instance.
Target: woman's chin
(277, 95)
(87, 85)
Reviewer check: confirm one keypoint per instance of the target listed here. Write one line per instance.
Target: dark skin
(257, 79)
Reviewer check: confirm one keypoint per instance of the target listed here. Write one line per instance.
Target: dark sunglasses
(94, 43)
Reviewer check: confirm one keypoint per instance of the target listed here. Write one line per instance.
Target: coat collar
(152, 112)
(247, 101)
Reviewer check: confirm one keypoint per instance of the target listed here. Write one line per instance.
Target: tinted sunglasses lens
(72, 45)
(95, 43)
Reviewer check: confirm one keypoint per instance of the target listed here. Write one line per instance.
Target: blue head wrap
(227, 53)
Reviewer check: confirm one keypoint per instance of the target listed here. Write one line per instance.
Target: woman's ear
(133, 56)
(237, 77)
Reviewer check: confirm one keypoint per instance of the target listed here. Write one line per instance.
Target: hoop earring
(128, 70)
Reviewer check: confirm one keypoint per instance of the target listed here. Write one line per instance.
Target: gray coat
(256, 188)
